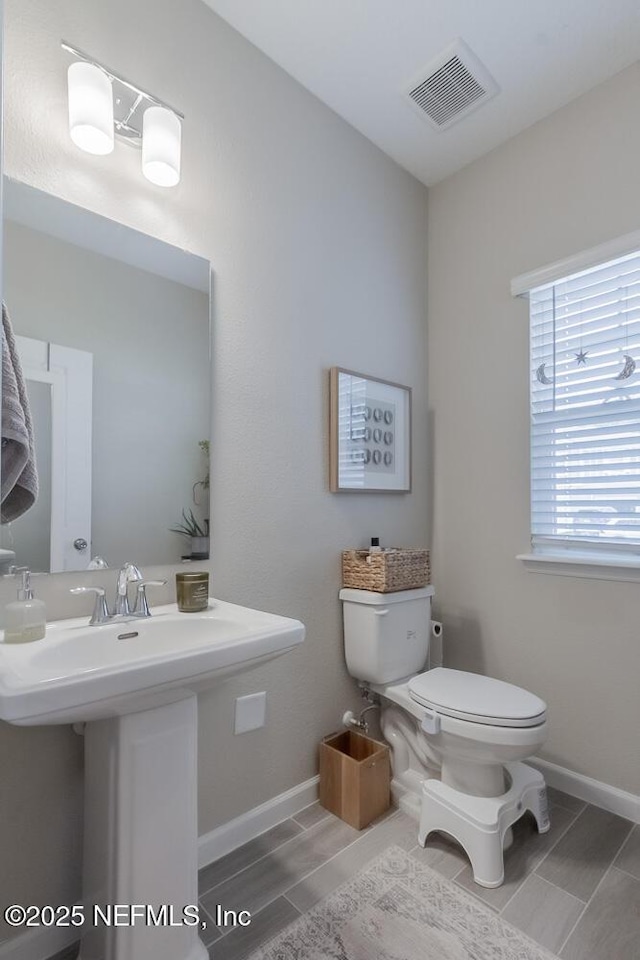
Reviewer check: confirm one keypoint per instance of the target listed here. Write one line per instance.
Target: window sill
(584, 566)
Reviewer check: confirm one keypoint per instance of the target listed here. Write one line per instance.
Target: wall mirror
(112, 332)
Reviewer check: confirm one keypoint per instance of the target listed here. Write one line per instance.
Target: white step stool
(479, 824)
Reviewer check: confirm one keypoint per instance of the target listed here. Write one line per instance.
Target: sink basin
(78, 672)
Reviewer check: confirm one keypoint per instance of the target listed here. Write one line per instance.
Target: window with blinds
(585, 407)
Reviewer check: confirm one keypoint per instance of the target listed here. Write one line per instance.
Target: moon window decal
(628, 368)
(541, 376)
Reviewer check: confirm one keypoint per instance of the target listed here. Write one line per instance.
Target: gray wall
(566, 184)
(318, 244)
(149, 338)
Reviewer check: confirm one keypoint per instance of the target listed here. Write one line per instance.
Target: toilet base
(479, 824)
(406, 793)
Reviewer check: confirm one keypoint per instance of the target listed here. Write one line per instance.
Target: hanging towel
(19, 475)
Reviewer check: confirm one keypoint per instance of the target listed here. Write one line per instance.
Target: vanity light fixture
(161, 136)
(103, 105)
(90, 108)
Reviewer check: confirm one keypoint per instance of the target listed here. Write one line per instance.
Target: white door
(70, 374)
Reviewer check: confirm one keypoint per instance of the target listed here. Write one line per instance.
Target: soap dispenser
(24, 618)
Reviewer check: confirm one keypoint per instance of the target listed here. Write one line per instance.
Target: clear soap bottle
(25, 618)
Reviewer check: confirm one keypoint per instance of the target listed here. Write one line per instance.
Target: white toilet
(456, 738)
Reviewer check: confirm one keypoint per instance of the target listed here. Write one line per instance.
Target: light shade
(90, 108)
(161, 137)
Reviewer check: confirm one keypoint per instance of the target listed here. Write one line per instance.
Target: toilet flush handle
(381, 613)
(430, 721)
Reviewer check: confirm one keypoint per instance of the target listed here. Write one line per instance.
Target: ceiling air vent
(453, 85)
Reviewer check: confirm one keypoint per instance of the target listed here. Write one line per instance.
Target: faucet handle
(100, 611)
(141, 608)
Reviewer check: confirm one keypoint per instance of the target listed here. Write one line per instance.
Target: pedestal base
(141, 835)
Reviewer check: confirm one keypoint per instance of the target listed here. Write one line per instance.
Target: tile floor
(576, 889)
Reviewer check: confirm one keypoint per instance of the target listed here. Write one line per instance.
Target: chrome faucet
(127, 574)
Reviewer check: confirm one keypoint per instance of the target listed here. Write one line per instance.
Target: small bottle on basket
(374, 548)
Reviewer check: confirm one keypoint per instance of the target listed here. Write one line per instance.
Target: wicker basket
(385, 572)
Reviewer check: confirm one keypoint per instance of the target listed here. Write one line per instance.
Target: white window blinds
(585, 405)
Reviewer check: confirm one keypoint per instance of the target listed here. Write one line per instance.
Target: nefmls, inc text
(145, 914)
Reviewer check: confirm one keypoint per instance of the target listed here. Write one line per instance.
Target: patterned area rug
(399, 909)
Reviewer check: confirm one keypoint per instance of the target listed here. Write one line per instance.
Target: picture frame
(369, 434)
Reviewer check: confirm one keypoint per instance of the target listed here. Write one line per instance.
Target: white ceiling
(359, 56)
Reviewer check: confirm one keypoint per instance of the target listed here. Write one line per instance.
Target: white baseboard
(44, 942)
(593, 791)
(251, 824)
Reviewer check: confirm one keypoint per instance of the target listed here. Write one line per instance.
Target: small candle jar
(192, 591)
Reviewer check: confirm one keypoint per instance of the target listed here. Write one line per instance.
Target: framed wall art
(369, 434)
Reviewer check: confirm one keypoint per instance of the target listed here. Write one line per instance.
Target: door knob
(80, 544)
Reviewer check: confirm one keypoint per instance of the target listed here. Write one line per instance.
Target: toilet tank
(386, 635)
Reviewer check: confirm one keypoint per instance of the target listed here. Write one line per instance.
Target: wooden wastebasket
(354, 777)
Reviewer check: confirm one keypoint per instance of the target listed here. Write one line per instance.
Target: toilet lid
(470, 696)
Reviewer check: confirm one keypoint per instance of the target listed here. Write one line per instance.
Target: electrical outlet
(250, 712)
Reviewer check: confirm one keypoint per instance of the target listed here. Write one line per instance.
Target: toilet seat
(477, 699)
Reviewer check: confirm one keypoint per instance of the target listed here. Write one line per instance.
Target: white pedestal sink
(135, 685)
